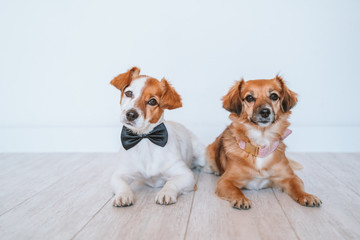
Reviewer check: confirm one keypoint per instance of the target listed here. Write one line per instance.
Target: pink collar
(262, 152)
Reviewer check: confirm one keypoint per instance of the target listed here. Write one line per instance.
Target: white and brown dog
(158, 152)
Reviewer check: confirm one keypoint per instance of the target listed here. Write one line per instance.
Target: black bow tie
(158, 136)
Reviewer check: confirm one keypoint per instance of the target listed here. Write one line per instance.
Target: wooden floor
(67, 196)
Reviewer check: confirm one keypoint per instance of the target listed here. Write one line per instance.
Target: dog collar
(262, 152)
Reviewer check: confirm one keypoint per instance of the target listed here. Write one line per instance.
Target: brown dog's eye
(250, 98)
(152, 102)
(129, 93)
(274, 97)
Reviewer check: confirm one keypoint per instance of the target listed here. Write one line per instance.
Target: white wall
(57, 58)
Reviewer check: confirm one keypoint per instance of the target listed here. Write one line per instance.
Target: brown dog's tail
(295, 165)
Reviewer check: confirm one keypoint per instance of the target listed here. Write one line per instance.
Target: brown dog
(250, 152)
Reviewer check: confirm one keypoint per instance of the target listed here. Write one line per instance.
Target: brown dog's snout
(131, 115)
(265, 112)
(263, 115)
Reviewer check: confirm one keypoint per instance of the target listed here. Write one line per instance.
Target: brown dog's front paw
(309, 200)
(241, 203)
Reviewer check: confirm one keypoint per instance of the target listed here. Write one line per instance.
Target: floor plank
(62, 209)
(65, 196)
(144, 220)
(13, 161)
(27, 174)
(337, 218)
(343, 167)
(214, 218)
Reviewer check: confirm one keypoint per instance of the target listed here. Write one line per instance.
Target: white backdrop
(57, 58)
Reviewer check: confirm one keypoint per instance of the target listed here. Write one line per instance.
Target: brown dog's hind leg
(294, 186)
(226, 190)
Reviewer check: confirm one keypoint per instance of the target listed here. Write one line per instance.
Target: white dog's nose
(131, 115)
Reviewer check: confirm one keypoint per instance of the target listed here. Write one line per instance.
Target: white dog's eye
(129, 93)
(152, 102)
(274, 97)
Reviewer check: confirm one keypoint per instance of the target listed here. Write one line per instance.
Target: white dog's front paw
(124, 199)
(166, 197)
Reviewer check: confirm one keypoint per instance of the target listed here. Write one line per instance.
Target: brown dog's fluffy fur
(239, 169)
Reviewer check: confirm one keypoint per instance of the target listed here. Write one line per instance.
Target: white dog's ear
(288, 98)
(232, 100)
(170, 99)
(123, 80)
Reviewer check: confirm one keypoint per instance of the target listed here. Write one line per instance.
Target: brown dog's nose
(131, 115)
(264, 112)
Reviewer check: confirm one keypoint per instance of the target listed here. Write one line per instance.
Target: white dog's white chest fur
(154, 164)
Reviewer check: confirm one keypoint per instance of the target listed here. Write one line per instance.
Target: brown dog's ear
(170, 99)
(232, 100)
(288, 98)
(123, 80)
